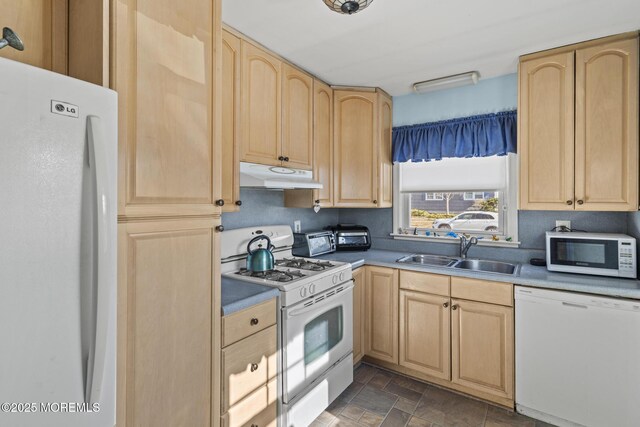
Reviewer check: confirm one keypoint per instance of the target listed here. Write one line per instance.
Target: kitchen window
(441, 199)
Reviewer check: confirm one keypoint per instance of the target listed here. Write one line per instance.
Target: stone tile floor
(381, 398)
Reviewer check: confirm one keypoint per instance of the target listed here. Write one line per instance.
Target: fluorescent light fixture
(448, 82)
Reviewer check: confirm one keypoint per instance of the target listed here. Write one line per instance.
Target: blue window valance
(476, 136)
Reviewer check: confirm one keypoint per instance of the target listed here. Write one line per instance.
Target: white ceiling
(394, 43)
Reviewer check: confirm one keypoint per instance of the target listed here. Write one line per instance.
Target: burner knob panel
(334, 279)
(303, 292)
(312, 289)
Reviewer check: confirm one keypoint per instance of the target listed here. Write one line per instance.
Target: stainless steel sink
(423, 259)
(486, 266)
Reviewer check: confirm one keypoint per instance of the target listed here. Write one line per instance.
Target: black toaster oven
(351, 237)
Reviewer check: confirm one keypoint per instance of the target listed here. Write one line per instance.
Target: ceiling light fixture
(448, 82)
(347, 6)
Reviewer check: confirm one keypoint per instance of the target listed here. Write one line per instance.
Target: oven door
(315, 337)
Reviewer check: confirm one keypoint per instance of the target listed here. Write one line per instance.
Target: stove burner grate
(273, 275)
(304, 264)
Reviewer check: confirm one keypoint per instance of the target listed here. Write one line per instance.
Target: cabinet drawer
(259, 409)
(482, 290)
(248, 365)
(424, 282)
(247, 322)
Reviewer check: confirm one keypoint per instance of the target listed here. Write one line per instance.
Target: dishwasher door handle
(569, 304)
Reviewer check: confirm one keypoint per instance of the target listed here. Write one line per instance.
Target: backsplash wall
(266, 207)
(531, 224)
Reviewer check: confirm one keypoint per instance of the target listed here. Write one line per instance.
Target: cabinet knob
(254, 367)
(580, 202)
(375, 202)
(220, 228)
(454, 307)
(286, 159)
(317, 202)
(254, 425)
(281, 158)
(569, 202)
(445, 305)
(238, 202)
(219, 202)
(254, 322)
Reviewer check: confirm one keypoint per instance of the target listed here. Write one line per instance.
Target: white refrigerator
(58, 169)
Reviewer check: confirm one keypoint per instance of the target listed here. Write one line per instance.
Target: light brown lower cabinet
(452, 331)
(249, 367)
(482, 347)
(381, 313)
(358, 314)
(425, 333)
(167, 281)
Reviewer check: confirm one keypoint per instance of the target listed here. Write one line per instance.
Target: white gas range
(315, 321)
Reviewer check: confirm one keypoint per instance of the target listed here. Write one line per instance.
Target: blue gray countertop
(238, 295)
(529, 275)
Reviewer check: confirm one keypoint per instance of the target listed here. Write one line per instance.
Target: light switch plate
(561, 223)
(297, 226)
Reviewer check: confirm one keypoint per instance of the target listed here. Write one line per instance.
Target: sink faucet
(466, 244)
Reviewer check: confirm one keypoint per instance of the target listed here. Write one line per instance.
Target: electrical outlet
(297, 226)
(563, 223)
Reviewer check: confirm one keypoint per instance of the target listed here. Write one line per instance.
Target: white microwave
(592, 253)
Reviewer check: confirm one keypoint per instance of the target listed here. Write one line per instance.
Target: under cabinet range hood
(275, 177)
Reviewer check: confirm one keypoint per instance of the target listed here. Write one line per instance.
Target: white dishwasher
(577, 358)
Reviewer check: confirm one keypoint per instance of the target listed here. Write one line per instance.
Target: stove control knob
(312, 289)
(334, 279)
(342, 276)
(303, 292)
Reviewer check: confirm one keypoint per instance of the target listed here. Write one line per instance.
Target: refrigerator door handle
(98, 348)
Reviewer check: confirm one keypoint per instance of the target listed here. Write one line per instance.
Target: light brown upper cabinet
(355, 154)
(42, 26)
(385, 165)
(323, 143)
(261, 107)
(297, 118)
(381, 313)
(165, 70)
(578, 127)
(230, 122)
(607, 126)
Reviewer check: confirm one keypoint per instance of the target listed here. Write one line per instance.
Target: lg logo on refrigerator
(64, 109)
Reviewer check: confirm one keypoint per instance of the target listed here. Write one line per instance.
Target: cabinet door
(42, 27)
(425, 330)
(381, 313)
(297, 118)
(230, 121)
(165, 74)
(260, 123)
(166, 320)
(355, 157)
(323, 143)
(607, 127)
(385, 165)
(358, 314)
(546, 134)
(482, 347)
